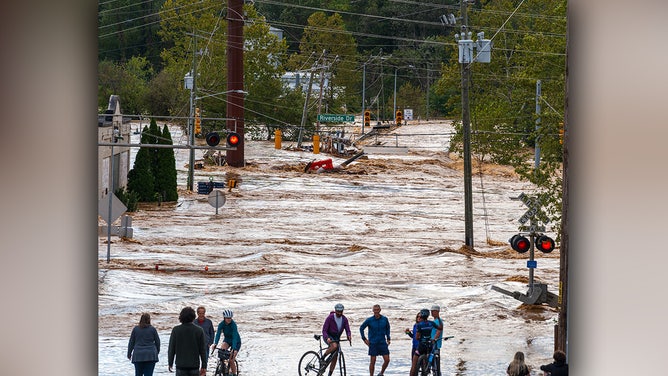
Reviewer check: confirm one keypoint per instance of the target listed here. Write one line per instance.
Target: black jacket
(555, 369)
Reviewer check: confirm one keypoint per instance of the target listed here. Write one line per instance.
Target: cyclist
(332, 329)
(414, 352)
(437, 334)
(231, 339)
(423, 335)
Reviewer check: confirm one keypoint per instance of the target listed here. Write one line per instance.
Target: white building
(110, 122)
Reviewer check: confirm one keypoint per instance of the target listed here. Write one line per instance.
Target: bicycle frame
(315, 363)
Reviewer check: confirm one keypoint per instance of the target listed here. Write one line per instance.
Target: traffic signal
(233, 139)
(520, 243)
(367, 118)
(545, 244)
(399, 116)
(212, 138)
(198, 121)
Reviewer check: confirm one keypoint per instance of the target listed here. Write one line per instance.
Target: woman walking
(144, 346)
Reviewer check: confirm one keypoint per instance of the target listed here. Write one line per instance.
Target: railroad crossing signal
(520, 243)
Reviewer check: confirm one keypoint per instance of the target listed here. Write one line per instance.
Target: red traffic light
(520, 243)
(545, 244)
(233, 139)
(212, 138)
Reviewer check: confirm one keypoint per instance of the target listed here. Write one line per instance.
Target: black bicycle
(430, 363)
(313, 363)
(223, 365)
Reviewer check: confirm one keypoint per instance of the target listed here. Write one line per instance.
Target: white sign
(216, 198)
(408, 114)
(117, 208)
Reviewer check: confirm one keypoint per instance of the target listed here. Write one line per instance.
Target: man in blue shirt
(379, 339)
(437, 334)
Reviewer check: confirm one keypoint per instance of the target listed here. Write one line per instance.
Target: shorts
(378, 349)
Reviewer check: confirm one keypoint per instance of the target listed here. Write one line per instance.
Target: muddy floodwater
(288, 245)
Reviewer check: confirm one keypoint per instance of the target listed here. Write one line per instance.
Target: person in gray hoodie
(144, 346)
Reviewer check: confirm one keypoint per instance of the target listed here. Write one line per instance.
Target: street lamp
(114, 138)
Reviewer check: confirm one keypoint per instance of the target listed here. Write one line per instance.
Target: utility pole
(561, 339)
(322, 84)
(305, 110)
(235, 79)
(537, 141)
(465, 68)
(191, 125)
(363, 93)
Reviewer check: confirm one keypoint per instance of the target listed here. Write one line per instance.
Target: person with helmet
(231, 339)
(332, 329)
(415, 343)
(422, 333)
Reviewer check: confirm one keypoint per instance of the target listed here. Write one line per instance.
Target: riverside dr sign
(335, 118)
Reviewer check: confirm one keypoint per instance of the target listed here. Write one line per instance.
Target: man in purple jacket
(332, 329)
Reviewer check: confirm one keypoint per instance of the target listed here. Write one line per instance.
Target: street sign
(216, 198)
(532, 264)
(336, 118)
(117, 208)
(532, 228)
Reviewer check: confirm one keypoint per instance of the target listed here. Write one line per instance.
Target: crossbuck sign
(533, 212)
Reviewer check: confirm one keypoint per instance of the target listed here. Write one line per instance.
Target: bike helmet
(338, 307)
(424, 313)
(227, 313)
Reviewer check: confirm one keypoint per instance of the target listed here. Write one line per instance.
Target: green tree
(165, 171)
(529, 47)
(140, 178)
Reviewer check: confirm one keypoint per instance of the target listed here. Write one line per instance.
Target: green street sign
(336, 118)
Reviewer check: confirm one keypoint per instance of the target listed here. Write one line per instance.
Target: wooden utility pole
(235, 79)
(561, 338)
(466, 131)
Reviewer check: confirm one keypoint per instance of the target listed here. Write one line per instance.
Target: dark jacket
(555, 369)
(187, 344)
(207, 326)
(144, 344)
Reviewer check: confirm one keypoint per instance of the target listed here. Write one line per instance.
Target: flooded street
(288, 245)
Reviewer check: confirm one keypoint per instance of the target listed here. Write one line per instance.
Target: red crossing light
(233, 139)
(545, 244)
(520, 243)
(212, 138)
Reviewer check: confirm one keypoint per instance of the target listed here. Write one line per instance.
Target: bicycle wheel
(342, 364)
(423, 365)
(309, 364)
(219, 369)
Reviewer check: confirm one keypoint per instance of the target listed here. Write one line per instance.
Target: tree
(165, 171)
(529, 47)
(140, 178)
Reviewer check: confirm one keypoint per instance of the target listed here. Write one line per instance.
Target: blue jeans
(144, 368)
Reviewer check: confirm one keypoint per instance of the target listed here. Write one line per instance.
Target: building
(110, 124)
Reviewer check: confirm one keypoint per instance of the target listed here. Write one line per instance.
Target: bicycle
(313, 363)
(223, 364)
(430, 363)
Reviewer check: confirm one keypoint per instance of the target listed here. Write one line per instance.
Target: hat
(338, 307)
(436, 307)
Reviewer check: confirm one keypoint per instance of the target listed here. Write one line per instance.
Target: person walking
(187, 345)
(231, 338)
(379, 339)
(332, 330)
(558, 367)
(517, 367)
(206, 325)
(144, 346)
